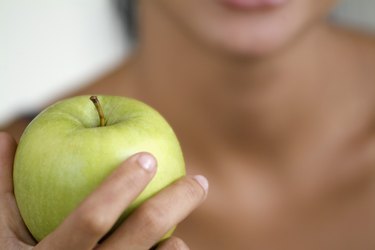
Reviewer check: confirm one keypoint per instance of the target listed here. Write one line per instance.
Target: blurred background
(50, 47)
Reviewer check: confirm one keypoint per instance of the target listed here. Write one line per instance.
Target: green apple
(68, 150)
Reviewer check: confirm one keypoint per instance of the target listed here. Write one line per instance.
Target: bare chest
(320, 208)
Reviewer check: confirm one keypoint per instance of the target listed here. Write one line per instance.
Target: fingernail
(147, 162)
(202, 181)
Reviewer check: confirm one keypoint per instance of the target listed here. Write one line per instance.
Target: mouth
(248, 5)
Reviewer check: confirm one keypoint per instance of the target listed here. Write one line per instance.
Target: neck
(248, 102)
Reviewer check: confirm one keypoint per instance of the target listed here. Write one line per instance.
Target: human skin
(277, 113)
(236, 32)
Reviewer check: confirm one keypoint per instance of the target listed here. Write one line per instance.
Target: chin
(254, 43)
(245, 33)
(254, 35)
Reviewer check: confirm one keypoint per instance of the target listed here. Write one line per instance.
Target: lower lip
(253, 4)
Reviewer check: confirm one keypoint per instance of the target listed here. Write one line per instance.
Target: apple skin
(63, 156)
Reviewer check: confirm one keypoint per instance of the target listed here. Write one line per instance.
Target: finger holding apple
(153, 219)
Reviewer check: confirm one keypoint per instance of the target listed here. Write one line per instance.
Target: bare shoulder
(360, 43)
(364, 48)
(360, 48)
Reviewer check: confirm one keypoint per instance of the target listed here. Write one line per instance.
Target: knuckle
(134, 176)
(132, 179)
(93, 223)
(155, 219)
(192, 191)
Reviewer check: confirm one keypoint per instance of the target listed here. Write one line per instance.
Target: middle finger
(150, 222)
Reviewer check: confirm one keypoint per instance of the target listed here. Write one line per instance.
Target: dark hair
(127, 13)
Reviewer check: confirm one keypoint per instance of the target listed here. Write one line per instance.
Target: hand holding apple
(82, 229)
(64, 155)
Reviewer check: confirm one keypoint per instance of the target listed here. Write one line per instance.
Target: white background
(48, 47)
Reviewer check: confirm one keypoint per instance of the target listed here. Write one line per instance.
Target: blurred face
(244, 27)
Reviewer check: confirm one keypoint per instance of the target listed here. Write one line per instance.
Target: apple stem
(98, 107)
